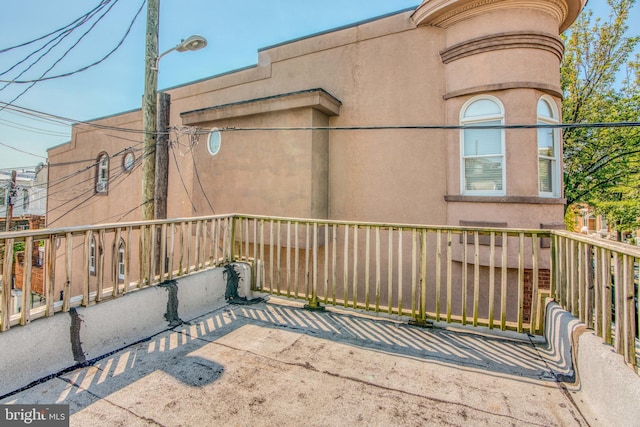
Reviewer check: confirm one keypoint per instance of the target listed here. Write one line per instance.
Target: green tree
(600, 81)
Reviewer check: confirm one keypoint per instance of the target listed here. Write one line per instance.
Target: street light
(195, 42)
(150, 106)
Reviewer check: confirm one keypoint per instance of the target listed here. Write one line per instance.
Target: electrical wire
(22, 151)
(99, 6)
(86, 67)
(175, 159)
(195, 170)
(65, 53)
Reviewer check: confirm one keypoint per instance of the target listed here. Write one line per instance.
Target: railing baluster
(619, 300)
(271, 261)
(492, 277)
(345, 281)
(334, 264)
(503, 281)
(288, 257)
(423, 277)
(465, 264)
(154, 252)
(400, 264)
(629, 312)
(163, 253)
(115, 291)
(377, 266)
(7, 272)
(476, 276)
(355, 266)
(127, 260)
(581, 259)
(367, 265)
(85, 268)
(449, 275)
(172, 249)
(414, 272)
(326, 263)
(390, 272)
(438, 271)
(314, 282)
(196, 266)
(278, 256)
(296, 258)
(100, 265)
(306, 261)
(25, 314)
(521, 283)
(607, 297)
(533, 328)
(597, 292)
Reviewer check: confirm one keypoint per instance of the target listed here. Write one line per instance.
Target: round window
(128, 161)
(213, 142)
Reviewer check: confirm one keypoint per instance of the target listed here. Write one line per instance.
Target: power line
(22, 151)
(86, 67)
(100, 5)
(64, 54)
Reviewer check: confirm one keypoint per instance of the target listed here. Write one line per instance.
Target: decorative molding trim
(554, 91)
(318, 99)
(505, 199)
(511, 40)
(445, 13)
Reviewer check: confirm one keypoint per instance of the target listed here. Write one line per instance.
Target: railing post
(314, 303)
(6, 285)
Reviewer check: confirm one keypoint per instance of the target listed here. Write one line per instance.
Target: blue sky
(235, 31)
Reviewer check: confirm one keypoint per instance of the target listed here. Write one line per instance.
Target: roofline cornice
(444, 13)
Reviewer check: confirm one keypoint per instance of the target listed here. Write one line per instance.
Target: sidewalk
(276, 364)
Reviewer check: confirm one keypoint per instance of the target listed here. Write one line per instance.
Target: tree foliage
(601, 84)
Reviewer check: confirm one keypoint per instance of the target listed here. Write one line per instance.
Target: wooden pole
(162, 157)
(150, 110)
(11, 200)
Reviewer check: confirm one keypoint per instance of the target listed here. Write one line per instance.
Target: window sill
(505, 199)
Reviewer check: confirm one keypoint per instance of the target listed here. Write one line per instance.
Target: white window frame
(555, 164)
(92, 255)
(121, 261)
(479, 120)
(102, 182)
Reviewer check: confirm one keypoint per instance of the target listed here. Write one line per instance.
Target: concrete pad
(271, 364)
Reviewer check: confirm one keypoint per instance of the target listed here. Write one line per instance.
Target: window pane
(480, 142)
(544, 109)
(546, 141)
(482, 107)
(545, 175)
(483, 174)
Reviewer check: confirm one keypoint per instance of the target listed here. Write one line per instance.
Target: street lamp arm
(195, 42)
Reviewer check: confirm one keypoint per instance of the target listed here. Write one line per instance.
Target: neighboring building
(29, 198)
(445, 63)
(332, 126)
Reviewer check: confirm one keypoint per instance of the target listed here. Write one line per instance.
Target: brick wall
(544, 282)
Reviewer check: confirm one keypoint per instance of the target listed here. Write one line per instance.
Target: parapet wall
(608, 387)
(50, 345)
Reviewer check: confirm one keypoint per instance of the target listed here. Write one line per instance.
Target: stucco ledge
(504, 199)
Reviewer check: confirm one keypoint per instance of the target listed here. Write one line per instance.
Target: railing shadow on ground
(521, 360)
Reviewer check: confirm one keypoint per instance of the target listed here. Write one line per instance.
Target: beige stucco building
(414, 118)
(366, 127)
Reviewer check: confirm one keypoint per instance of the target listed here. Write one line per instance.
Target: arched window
(121, 263)
(102, 173)
(548, 149)
(92, 255)
(482, 150)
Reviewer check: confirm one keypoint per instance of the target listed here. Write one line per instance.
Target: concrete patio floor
(276, 364)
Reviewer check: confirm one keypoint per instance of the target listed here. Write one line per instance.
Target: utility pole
(11, 200)
(150, 110)
(162, 157)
